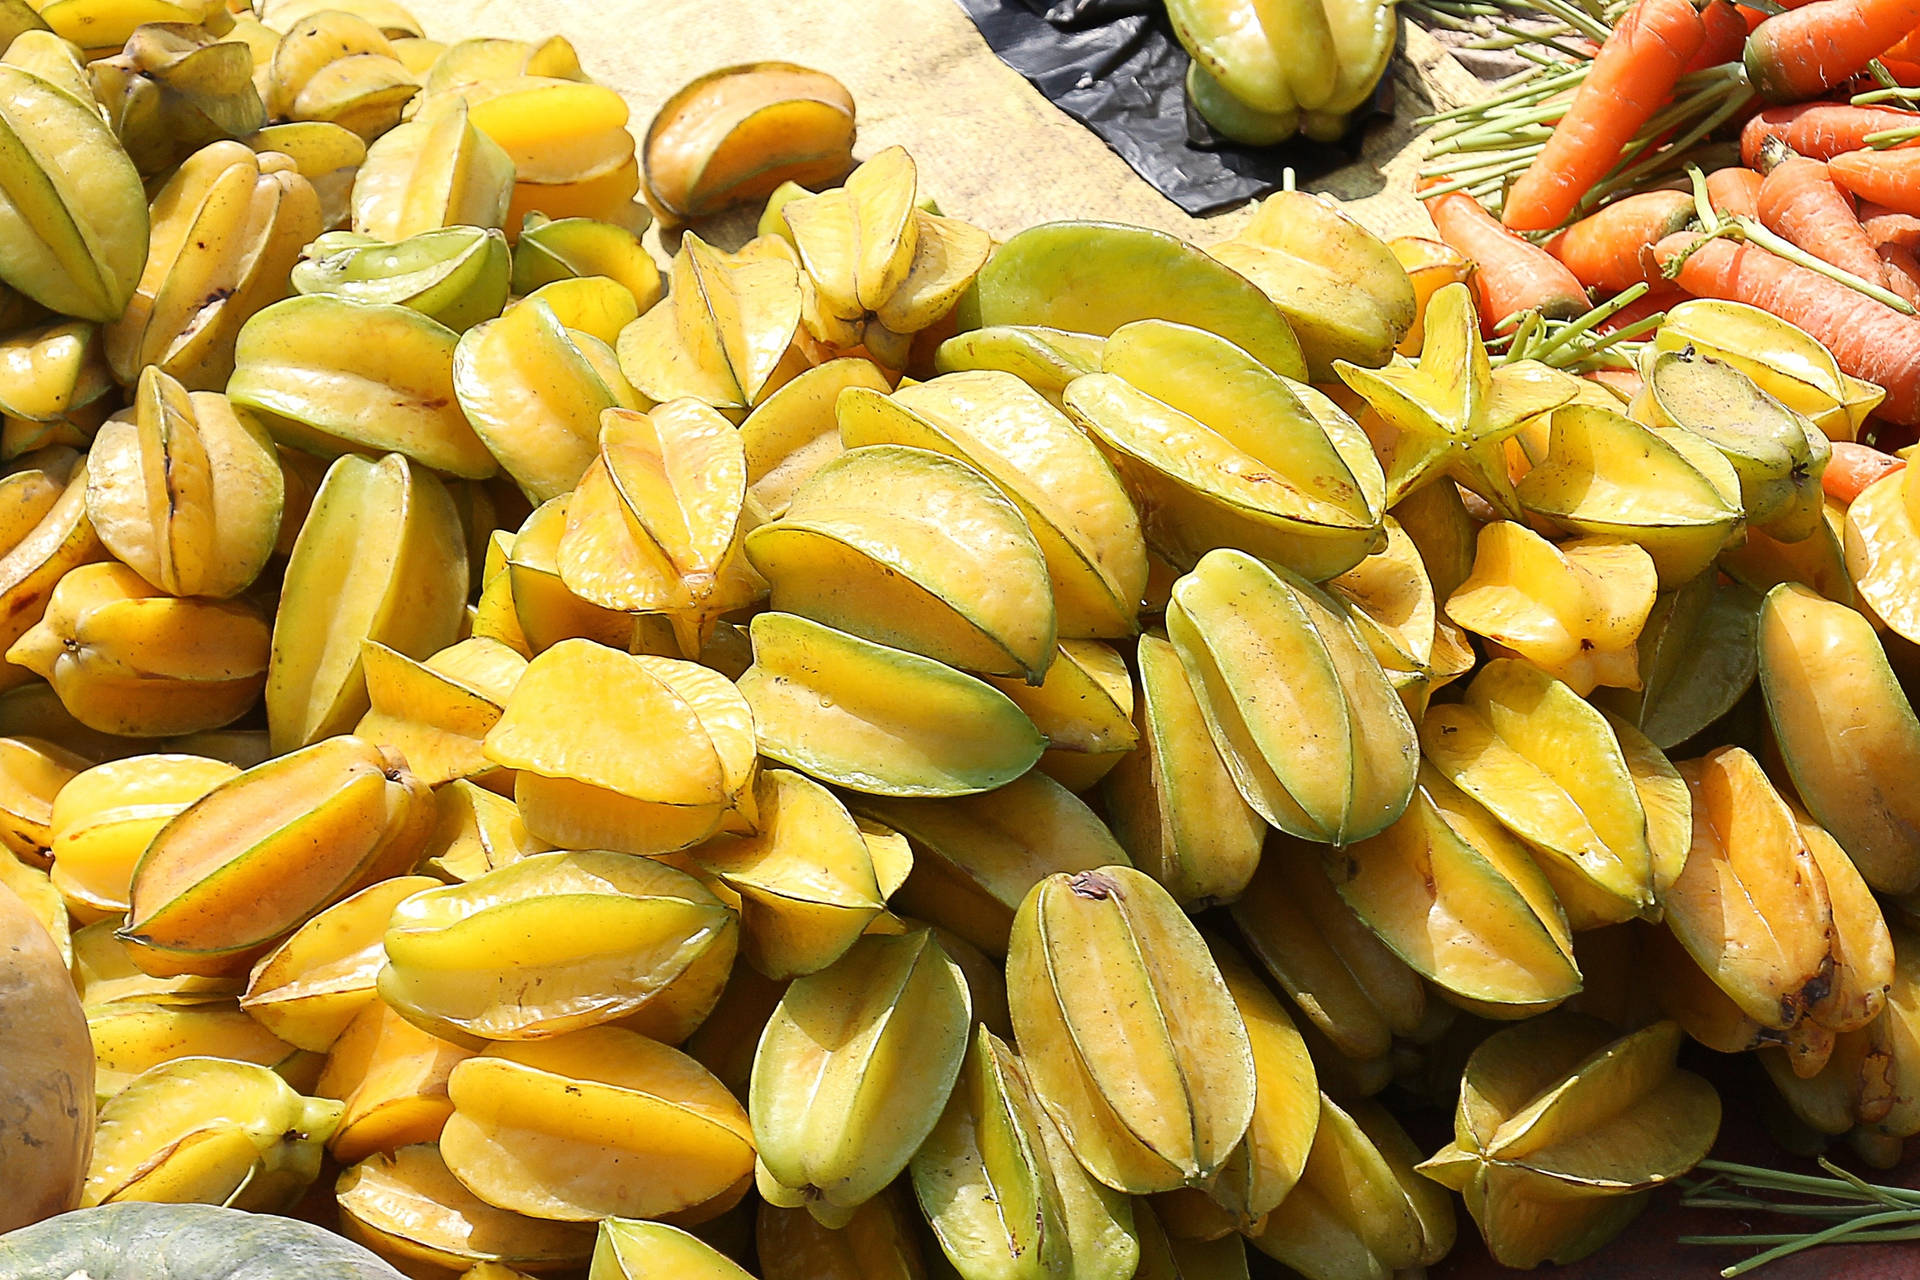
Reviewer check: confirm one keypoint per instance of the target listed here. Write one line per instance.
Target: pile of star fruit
(916, 752)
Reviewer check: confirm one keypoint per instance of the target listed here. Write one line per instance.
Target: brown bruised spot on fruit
(1094, 885)
(1815, 990)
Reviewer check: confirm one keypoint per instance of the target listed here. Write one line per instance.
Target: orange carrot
(1868, 339)
(1821, 130)
(1907, 49)
(1803, 53)
(1799, 200)
(1890, 178)
(1902, 270)
(1624, 383)
(1510, 275)
(1723, 36)
(1663, 295)
(1603, 248)
(1853, 467)
(1905, 73)
(1734, 191)
(1886, 226)
(1630, 79)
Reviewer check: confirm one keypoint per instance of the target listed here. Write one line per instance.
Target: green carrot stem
(1541, 37)
(1837, 1231)
(1761, 1177)
(1502, 139)
(1883, 138)
(1753, 233)
(1493, 131)
(1480, 165)
(1890, 1236)
(1702, 206)
(1580, 326)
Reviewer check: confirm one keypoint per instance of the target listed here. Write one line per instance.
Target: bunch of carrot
(1817, 222)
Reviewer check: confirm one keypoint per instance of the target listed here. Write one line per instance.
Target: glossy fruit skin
(46, 1075)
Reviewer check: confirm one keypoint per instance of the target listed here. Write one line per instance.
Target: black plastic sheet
(1115, 66)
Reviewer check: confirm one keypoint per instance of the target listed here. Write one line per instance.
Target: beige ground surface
(990, 148)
